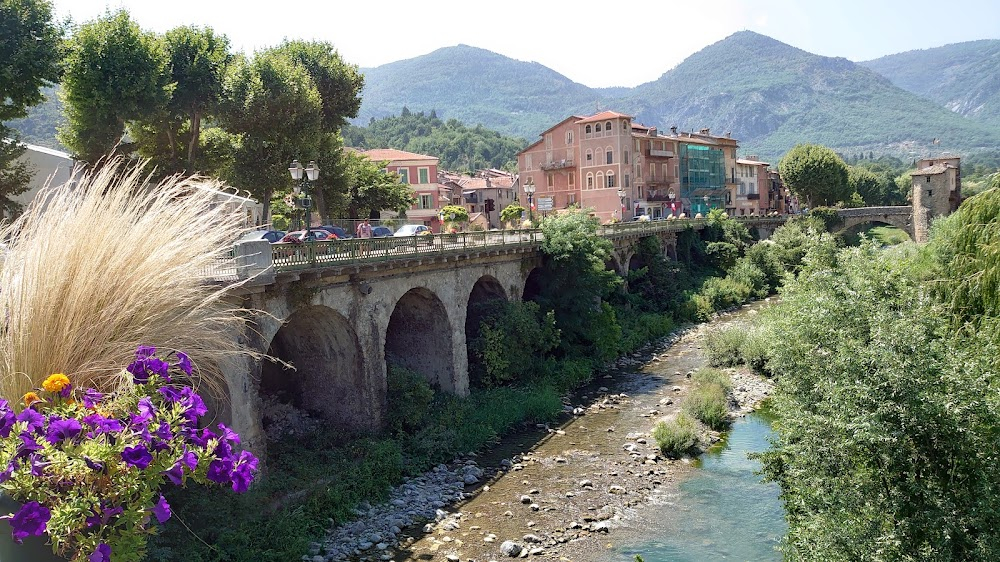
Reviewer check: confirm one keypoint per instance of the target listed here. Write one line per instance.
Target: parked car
(412, 230)
(380, 231)
(317, 234)
(339, 232)
(272, 236)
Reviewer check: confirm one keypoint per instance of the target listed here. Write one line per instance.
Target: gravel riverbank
(564, 493)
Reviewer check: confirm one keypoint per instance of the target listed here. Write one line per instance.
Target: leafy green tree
(511, 214)
(29, 55)
(198, 60)
(816, 174)
(369, 189)
(455, 213)
(574, 283)
(14, 173)
(339, 83)
(274, 106)
(888, 418)
(511, 342)
(29, 61)
(115, 73)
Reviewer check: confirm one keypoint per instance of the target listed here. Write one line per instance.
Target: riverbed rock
(510, 548)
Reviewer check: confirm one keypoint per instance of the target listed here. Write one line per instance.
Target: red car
(315, 234)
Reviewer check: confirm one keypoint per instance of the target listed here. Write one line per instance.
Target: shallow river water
(721, 512)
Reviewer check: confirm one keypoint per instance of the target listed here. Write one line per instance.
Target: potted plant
(87, 468)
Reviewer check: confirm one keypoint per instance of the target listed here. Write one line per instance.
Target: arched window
(600, 179)
(625, 156)
(624, 126)
(597, 128)
(590, 156)
(587, 131)
(607, 127)
(611, 179)
(609, 155)
(590, 181)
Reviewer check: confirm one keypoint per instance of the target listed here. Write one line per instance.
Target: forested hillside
(39, 127)
(477, 87)
(963, 77)
(459, 147)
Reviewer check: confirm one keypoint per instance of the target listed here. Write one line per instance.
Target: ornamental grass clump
(108, 262)
(87, 467)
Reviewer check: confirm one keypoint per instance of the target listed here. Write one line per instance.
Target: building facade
(621, 169)
(421, 173)
(753, 191)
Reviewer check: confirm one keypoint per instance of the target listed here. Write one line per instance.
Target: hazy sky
(592, 42)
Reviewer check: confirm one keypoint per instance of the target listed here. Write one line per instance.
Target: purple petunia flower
(161, 509)
(60, 429)
(137, 456)
(158, 367)
(28, 445)
(7, 419)
(195, 406)
(144, 351)
(102, 424)
(94, 465)
(102, 554)
(170, 393)
(184, 362)
(199, 438)
(228, 434)
(37, 466)
(29, 521)
(221, 470)
(189, 459)
(7, 472)
(103, 515)
(91, 398)
(175, 474)
(34, 419)
(243, 473)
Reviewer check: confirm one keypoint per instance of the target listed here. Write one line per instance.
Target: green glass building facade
(702, 177)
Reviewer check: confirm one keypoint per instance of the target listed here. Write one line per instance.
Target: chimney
(673, 130)
(729, 134)
(705, 131)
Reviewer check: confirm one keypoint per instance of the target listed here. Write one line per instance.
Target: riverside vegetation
(886, 394)
(523, 358)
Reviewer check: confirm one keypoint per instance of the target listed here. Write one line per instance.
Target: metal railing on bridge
(308, 255)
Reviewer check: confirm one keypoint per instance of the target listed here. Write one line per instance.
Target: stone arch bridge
(334, 313)
(901, 217)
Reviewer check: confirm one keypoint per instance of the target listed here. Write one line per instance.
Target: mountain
(39, 127)
(772, 96)
(963, 77)
(476, 86)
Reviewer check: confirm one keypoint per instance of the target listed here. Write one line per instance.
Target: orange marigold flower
(56, 382)
(30, 398)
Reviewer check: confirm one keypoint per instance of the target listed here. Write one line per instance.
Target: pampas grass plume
(108, 262)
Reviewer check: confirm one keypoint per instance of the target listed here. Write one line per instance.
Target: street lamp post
(529, 190)
(311, 174)
(621, 198)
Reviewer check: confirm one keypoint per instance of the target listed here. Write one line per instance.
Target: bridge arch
(419, 337)
(901, 217)
(323, 371)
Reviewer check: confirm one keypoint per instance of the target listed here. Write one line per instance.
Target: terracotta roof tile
(603, 116)
(393, 155)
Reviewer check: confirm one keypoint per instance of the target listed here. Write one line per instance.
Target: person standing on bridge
(364, 231)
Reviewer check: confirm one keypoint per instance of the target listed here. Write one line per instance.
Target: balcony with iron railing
(558, 164)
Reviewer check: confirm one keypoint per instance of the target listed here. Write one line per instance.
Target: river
(721, 512)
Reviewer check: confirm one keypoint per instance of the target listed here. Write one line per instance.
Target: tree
(815, 173)
(339, 83)
(869, 186)
(29, 55)
(455, 213)
(29, 61)
(369, 189)
(115, 73)
(512, 214)
(197, 60)
(14, 173)
(275, 108)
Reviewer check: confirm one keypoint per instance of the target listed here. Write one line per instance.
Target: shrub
(724, 345)
(748, 274)
(409, 397)
(709, 404)
(676, 437)
(725, 293)
(707, 376)
(755, 350)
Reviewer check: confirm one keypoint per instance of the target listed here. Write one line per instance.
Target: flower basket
(86, 469)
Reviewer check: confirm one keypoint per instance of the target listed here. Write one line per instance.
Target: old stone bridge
(332, 314)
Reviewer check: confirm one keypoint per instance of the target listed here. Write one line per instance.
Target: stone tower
(936, 192)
